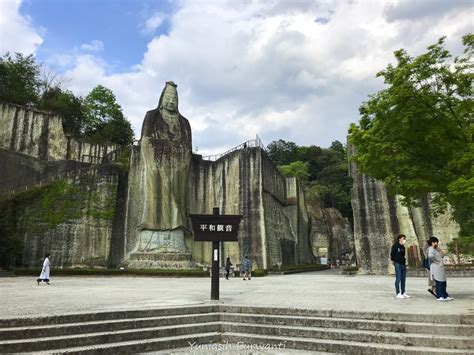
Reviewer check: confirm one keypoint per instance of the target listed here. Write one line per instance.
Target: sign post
(215, 228)
(215, 264)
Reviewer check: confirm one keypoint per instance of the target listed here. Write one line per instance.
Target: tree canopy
(97, 118)
(416, 135)
(19, 79)
(323, 171)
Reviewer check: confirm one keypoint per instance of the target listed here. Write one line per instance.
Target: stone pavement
(21, 297)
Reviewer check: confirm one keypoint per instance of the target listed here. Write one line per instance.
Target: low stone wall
(450, 272)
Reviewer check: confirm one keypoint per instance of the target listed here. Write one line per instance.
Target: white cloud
(153, 22)
(17, 34)
(93, 46)
(271, 68)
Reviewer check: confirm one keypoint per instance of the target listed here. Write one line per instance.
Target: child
(246, 267)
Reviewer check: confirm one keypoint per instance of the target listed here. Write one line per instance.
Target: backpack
(426, 263)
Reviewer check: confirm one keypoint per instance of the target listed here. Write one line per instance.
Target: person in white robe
(44, 276)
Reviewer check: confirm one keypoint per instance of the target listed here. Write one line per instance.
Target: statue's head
(169, 98)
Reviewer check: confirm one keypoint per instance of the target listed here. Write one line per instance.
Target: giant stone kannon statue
(165, 154)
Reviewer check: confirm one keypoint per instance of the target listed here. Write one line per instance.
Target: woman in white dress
(44, 276)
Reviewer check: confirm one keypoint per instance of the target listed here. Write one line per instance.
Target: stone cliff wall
(40, 134)
(243, 182)
(380, 217)
(72, 219)
(98, 224)
(331, 235)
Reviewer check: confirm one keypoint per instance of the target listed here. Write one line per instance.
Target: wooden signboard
(215, 228)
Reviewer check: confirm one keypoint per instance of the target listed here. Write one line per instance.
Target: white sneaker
(441, 299)
(399, 296)
(406, 296)
(449, 298)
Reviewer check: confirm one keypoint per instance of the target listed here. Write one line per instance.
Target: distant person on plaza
(426, 264)
(44, 276)
(397, 255)
(246, 267)
(435, 256)
(228, 264)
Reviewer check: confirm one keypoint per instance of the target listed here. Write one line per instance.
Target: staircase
(171, 328)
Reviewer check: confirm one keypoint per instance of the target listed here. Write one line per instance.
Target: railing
(48, 180)
(253, 143)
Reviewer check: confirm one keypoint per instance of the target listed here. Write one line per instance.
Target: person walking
(246, 267)
(426, 265)
(228, 264)
(435, 256)
(397, 255)
(44, 276)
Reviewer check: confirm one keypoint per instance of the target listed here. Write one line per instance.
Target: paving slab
(326, 290)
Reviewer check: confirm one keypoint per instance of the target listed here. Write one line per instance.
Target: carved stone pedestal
(153, 260)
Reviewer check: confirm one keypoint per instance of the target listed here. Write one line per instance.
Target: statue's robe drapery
(165, 154)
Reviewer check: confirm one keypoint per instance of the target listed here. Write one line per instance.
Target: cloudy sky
(292, 69)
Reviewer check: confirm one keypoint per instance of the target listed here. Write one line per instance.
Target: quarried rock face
(148, 224)
(72, 219)
(40, 134)
(380, 217)
(331, 235)
(166, 183)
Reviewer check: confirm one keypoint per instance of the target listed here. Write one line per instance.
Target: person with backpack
(397, 255)
(426, 265)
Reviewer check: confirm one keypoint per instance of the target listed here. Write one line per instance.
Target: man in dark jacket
(397, 255)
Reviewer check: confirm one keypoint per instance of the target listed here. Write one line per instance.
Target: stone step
(54, 330)
(139, 346)
(109, 315)
(78, 327)
(87, 339)
(349, 323)
(337, 346)
(101, 332)
(366, 336)
(392, 317)
(444, 319)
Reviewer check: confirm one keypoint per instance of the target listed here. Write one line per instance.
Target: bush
(302, 267)
(351, 269)
(259, 273)
(117, 272)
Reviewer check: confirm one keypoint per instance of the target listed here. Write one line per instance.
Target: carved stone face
(170, 101)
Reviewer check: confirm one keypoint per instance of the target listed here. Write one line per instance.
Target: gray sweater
(436, 266)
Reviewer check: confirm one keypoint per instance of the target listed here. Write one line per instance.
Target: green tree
(282, 152)
(325, 172)
(417, 134)
(19, 79)
(104, 120)
(68, 106)
(100, 106)
(297, 169)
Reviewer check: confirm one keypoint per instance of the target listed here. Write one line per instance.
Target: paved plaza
(21, 297)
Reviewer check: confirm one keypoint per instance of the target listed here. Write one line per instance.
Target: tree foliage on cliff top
(417, 134)
(324, 171)
(97, 118)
